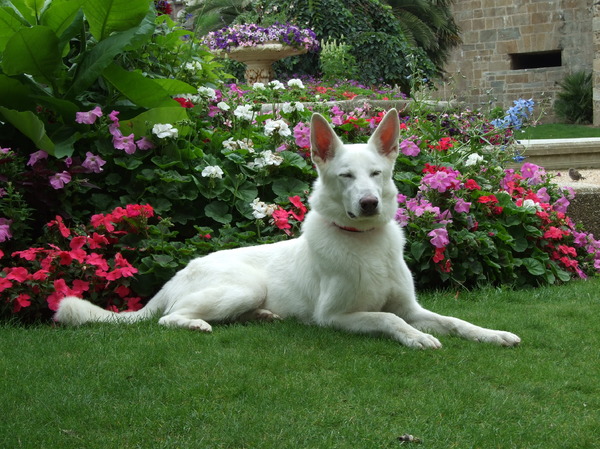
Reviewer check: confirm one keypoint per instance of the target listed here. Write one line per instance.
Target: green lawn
(286, 385)
(559, 131)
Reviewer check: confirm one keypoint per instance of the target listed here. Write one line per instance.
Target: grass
(286, 385)
(559, 131)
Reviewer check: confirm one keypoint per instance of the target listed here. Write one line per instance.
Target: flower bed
(226, 174)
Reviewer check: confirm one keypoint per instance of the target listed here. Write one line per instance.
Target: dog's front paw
(500, 338)
(421, 341)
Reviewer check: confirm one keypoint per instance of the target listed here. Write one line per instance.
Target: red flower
(18, 274)
(97, 241)
(471, 184)
(4, 284)
(134, 304)
(21, 301)
(553, 233)
(64, 231)
(299, 210)
(280, 219)
(184, 102)
(488, 199)
(439, 255)
(349, 95)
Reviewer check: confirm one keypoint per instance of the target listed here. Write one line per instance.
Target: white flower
(294, 82)
(291, 107)
(280, 126)
(162, 131)
(193, 66)
(190, 97)
(258, 86)
(223, 106)
(275, 85)
(244, 144)
(207, 92)
(244, 112)
(473, 159)
(212, 171)
(266, 158)
(260, 209)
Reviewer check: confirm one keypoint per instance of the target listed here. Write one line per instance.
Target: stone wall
(518, 49)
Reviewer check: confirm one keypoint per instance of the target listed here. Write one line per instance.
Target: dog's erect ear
(385, 138)
(323, 140)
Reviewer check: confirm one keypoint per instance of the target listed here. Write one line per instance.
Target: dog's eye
(375, 173)
(346, 175)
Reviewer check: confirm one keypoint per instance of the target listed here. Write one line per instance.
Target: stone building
(518, 49)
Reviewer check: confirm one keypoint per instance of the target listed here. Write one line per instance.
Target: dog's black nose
(368, 205)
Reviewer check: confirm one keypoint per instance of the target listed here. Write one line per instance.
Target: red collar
(349, 229)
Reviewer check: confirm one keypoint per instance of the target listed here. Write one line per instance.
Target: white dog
(346, 270)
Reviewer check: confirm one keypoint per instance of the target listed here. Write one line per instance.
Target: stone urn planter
(259, 59)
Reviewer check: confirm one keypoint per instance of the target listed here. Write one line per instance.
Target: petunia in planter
(259, 47)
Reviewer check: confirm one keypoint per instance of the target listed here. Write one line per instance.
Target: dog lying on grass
(346, 270)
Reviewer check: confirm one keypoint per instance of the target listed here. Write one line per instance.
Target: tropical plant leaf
(143, 91)
(109, 16)
(10, 23)
(31, 126)
(33, 51)
(102, 55)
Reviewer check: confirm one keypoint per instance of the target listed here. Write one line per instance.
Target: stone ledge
(561, 154)
(585, 208)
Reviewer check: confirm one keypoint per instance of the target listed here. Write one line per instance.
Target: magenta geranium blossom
(88, 117)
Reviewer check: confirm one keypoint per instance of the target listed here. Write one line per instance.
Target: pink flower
(409, 148)
(64, 231)
(23, 300)
(302, 135)
(440, 181)
(126, 143)
(37, 156)
(88, 117)
(5, 233)
(19, 274)
(439, 237)
(144, 144)
(93, 163)
(113, 117)
(561, 205)
(462, 206)
(59, 180)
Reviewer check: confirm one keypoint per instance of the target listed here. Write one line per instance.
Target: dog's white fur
(346, 270)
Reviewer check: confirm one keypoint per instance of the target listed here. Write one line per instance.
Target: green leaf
(534, 266)
(102, 55)
(10, 23)
(25, 9)
(108, 16)
(286, 187)
(60, 14)
(218, 211)
(33, 51)
(141, 124)
(140, 90)
(31, 126)
(417, 249)
(14, 95)
(129, 163)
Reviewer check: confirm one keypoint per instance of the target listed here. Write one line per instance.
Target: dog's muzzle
(369, 206)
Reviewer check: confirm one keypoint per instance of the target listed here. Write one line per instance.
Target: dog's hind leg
(195, 310)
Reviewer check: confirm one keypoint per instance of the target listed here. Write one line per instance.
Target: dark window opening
(536, 60)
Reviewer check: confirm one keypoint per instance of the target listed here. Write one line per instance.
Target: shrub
(574, 102)
(336, 61)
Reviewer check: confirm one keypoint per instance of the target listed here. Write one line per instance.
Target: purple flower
(402, 217)
(462, 206)
(561, 205)
(93, 163)
(529, 170)
(543, 195)
(88, 117)
(439, 237)
(409, 148)
(126, 143)
(113, 116)
(302, 135)
(144, 144)
(37, 156)
(5, 233)
(440, 181)
(59, 180)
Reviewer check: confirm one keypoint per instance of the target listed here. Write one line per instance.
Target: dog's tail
(75, 311)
